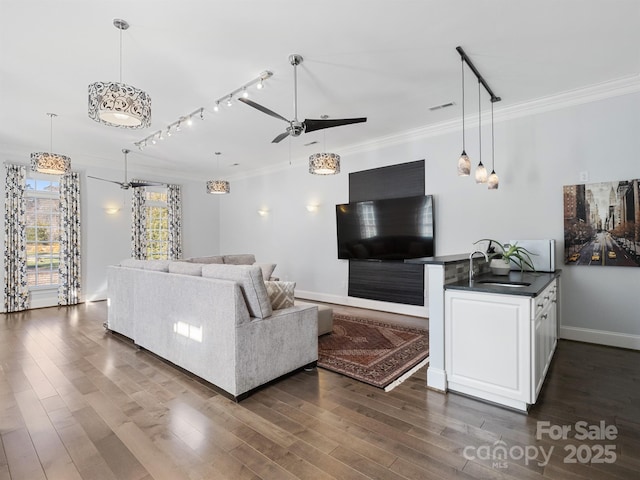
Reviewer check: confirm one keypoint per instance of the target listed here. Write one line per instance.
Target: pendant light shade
(324, 164)
(218, 187)
(493, 180)
(464, 164)
(117, 104)
(49, 162)
(481, 171)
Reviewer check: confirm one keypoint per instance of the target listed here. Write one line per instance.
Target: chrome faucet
(471, 262)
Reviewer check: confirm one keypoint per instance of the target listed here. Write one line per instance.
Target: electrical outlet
(584, 176)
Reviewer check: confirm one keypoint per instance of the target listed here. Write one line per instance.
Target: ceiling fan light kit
(464, 164)
(117, 104)
(49, 162)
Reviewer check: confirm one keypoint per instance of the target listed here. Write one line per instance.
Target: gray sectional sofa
(214, 320)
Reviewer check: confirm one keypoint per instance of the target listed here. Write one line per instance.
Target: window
(157, 224)
(42, 198)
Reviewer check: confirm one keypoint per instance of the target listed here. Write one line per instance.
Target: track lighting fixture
(481, 171)
(227, 99)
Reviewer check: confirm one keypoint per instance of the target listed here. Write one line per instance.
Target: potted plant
(500, 261)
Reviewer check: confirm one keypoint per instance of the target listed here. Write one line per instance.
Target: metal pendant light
(117, 104)
(493, 181)
(481, 171)
(464, 164)
(49, 162)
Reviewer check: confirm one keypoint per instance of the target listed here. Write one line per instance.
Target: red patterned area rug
(374, 352)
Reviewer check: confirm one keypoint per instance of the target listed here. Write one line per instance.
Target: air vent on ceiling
(444, 105)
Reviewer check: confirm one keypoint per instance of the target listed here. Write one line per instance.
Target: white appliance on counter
(544, 259)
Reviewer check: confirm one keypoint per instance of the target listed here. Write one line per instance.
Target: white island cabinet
(499, 345)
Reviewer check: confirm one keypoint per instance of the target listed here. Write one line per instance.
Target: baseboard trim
(436, 379)
(601, 337)
(412, 310)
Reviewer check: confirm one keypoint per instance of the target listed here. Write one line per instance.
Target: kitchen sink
(494, 283)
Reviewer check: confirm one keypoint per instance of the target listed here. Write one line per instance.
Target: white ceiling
(386, 60)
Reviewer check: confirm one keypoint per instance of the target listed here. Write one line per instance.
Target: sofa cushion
(186, 268)
(240, 259)
(156, 265)
(209, 259)
(281, 294)
(249, 278)
(267, 269)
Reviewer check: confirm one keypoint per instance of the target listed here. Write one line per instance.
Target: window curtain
(70, 256)
(16, 291)
(138, 224)
(174, 206)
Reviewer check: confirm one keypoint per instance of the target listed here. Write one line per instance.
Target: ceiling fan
(296, 127)
(126, 185)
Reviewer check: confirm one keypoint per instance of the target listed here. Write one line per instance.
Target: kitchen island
(500, 333)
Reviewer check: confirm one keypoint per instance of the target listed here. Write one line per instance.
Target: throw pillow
(267, 269)
(240, 259)
(281, 294)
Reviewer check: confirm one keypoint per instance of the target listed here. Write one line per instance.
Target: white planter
(500, 266)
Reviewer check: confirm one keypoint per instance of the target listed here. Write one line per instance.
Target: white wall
(535, 156)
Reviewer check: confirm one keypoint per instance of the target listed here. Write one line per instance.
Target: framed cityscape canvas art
(602, 224)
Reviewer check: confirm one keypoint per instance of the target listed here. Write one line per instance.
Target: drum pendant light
(117, 104)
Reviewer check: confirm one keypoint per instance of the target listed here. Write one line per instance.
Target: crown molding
(614, 88)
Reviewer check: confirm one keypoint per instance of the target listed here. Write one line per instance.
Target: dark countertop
(537, 282)
(442, 260)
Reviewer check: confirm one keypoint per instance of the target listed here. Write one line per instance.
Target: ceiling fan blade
(311, 125)
(280, 137)
(106, 180)
(146, 184)
(262, 109)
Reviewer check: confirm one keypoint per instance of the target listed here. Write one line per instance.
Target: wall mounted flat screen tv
(391, 229)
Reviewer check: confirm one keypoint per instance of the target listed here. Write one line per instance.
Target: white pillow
(281, 294)
(267, 269)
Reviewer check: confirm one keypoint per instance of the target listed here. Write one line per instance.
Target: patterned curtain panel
(138, 224)
(16, 291)
(174, 205)
(69, 269)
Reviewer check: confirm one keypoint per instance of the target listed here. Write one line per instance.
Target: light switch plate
(584, 176)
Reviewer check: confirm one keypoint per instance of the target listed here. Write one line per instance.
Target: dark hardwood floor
(79, 403)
